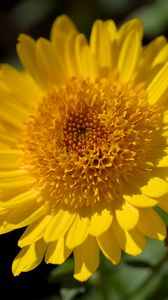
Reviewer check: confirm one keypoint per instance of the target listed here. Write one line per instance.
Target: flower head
(84, 156)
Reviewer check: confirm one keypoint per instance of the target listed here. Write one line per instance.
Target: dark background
(35, 18)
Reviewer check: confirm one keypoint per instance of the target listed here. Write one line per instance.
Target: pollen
(87, 139)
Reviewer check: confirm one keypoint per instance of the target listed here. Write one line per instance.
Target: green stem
(155, 269)
(103, 286)
(102, 280)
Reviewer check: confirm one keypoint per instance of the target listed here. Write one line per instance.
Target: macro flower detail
(83, 145)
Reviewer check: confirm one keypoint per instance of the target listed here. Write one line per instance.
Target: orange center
(88, 140)
(83, 132)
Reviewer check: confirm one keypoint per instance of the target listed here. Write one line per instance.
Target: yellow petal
(150, 224)
(109, 246)
(21, 198)
(101, 220)
(163, 162)
(135, 242)
(158, 85)
(165, 116)
(151, 51)
(9, 155)
(22, 216)
(20, 87)
(78, 231)
(62, 24)
(16, 185)
(155, 188)
(29, 258)
(57, 252)
(100, 43)
(58, 226)
(49, 62)
(10, 158)
(127, 216)
(8, 119)
(3, 210)
(90, 67)
(14, 109)
(70, 56)
(165, 133)
(86, 258)
(132, 242)
(34, 231)
(27, 53)
(62, 35)
(5, 142)
(60, 43)
(129, 55)
(161, 57)
(163, 203)
(140, 200)
(111, 28)
(80, 43)
(131, 25)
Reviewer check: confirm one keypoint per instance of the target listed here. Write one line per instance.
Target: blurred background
(35, 17)
(142, 278)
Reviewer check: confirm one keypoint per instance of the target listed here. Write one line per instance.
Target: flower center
(89, 139)
(83, 132)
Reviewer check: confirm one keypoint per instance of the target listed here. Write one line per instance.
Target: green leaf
(59, 272)
(63, 274)
(69, 294)
(154, 15)
(139, 263)
(163, 215)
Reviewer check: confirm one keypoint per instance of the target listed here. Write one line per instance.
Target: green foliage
(138, 263)
(163, 215)
(154, 16)
(135, 278)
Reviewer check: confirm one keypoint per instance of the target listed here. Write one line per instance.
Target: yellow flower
(84, 156)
